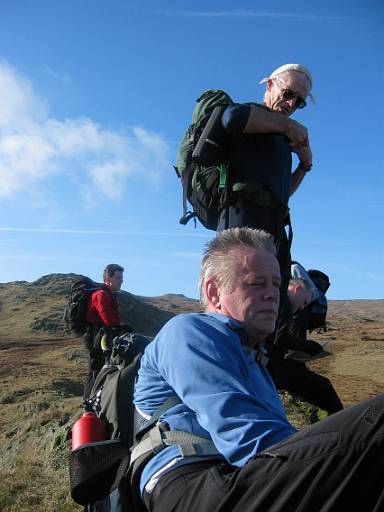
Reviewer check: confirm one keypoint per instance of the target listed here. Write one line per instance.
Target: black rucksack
(202, 160)
(98, 470)
(319, 306)
(75, 310)
(114, 385)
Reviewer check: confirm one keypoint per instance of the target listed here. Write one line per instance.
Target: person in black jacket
(293, 375)
(262, 140)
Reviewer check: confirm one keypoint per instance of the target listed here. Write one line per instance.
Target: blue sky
(95, 95)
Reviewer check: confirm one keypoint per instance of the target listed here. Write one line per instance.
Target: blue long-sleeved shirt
(226, 395)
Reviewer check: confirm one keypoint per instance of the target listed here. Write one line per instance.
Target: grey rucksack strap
(157, 439)
(154, 436)
(148, 424)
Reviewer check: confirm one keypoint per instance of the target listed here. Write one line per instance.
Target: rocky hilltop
(35, 309)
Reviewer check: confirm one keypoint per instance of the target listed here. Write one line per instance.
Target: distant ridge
(36, 308)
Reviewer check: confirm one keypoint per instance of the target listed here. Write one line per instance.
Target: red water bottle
(88, 429)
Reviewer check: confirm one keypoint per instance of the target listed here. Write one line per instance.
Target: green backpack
(202, 160)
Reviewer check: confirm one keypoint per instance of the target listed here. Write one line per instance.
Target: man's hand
(305, 157)
(297, 134)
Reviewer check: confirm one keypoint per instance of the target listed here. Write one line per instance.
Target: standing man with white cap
(263, 138)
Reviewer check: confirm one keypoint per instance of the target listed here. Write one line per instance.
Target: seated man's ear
(212, 294)
(298, 287)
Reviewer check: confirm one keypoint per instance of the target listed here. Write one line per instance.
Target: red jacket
(103, 308)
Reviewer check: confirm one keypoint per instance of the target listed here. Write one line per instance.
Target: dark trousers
(295, 377)
(91, 341)
(246, 214)
(94, 367)
(334, 465)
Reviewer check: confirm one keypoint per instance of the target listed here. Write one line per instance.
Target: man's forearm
(261, 120)
(264, 121)
(296, 178)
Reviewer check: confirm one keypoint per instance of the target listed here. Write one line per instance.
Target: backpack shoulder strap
(186, 179)
(157, 439)
(170, 402)
(155, 436)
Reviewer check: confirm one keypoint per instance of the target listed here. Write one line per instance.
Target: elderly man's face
(254, 300)
(293, 81)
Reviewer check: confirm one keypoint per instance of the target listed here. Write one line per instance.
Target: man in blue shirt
(251, 458)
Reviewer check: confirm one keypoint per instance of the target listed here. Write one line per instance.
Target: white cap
(291, 67)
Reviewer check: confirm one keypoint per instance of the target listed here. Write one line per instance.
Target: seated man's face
(299, 298)
(254, 300)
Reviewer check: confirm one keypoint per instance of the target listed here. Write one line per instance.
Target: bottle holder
(96, 469)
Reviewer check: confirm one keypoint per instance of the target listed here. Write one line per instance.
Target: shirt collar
(232, 324)
(258, 354)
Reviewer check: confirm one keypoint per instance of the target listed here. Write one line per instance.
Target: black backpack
(202, 160)
(98, 470)
(114, 385)
(75, 310)
(100, 473)
(319, 307)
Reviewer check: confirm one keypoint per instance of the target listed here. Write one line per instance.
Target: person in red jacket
(102, 311)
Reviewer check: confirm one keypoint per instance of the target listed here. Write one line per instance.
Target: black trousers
(246, 214)
(295, 377)
(96, 361)
(334, 465)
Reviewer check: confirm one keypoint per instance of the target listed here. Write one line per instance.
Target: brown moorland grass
(42, 371)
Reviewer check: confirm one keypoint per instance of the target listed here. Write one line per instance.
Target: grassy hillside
(42, 372)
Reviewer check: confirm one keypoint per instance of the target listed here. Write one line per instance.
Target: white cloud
(61, 77)
(340, 243)
(192, 234)
(251, 13)
(47, 257)
(34, 146)
(356, 273)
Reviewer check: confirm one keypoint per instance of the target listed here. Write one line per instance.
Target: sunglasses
(288, 94)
